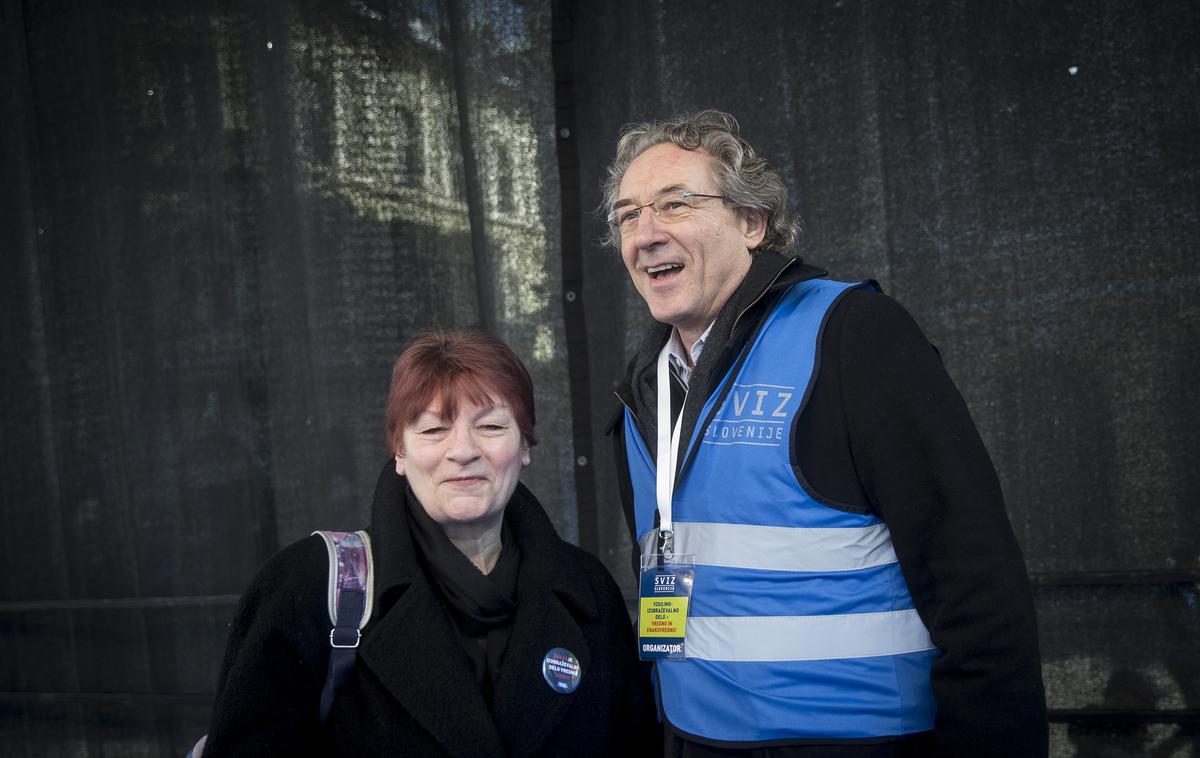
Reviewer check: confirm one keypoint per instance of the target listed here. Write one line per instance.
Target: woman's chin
(465, 511)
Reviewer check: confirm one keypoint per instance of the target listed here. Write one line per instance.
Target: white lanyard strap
(667, 451)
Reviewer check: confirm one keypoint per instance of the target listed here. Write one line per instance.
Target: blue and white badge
(561, 670)
(663, 606)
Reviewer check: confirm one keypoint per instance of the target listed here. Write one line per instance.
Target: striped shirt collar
(681, 360)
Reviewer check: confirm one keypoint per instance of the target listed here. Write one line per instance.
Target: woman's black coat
(412, 691)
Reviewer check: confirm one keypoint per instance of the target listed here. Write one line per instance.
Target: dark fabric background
(226, 218)
(1024, 177)
(220, 221)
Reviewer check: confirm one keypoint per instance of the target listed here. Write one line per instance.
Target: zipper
(628, 407)
(679, 463)
(688, 453)
(732, 329)
(754, 302)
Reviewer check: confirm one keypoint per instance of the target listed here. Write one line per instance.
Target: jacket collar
(395, 559)
(769, 272)
(543, 553)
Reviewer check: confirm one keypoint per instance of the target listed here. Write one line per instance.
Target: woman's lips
(465, 480)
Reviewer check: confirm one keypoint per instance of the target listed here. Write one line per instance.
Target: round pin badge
(561, 670)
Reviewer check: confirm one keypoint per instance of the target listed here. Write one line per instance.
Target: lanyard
(667, 453)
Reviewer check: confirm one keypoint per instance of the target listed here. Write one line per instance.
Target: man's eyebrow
(660, 193)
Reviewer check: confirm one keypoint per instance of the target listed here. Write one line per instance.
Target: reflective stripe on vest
(801, 623)
(778, 548)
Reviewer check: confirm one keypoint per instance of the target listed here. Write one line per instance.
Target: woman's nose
(463, 445)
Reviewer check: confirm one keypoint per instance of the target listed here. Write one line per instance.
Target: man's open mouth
(657, 271)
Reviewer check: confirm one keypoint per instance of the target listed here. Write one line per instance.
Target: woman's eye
(493, 427)
(432, 430)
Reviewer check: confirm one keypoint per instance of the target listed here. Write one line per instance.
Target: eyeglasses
(669, 207)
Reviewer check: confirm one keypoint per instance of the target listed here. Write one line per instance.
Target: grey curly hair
(746, 180)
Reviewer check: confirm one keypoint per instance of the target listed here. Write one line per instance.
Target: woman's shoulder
(558, 562)
(536, 531)
(295, 563)
(276, 655)
(291, 582)
(586, 562)
(590, 572)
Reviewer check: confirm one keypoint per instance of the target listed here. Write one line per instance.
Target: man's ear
(400, 464)
(754, 227)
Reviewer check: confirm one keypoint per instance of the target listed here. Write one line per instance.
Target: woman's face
(463, 471)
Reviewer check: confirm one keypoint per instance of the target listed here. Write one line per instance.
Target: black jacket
(412, 691)
(885, 431)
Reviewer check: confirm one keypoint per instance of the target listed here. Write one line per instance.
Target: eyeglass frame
(652, 205)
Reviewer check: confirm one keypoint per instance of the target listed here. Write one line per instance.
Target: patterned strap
(351, 588)
(351, 567)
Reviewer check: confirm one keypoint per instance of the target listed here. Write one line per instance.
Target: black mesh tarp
(225, 221)
(1025, 178)
(222, 220)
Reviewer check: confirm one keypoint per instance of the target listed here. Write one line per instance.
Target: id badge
(665, 596)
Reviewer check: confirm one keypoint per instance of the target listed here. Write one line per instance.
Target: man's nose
(649, 230)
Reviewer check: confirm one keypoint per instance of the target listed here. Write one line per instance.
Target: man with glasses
(814, 475)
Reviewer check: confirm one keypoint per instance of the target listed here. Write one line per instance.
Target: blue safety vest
(801, 625)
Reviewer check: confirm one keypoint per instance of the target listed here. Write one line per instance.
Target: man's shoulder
(869, 334)
(769, 272)
(861, 317)
(868, 310)
(840, 300)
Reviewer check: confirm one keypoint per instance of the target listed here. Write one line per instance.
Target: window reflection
(375, 121)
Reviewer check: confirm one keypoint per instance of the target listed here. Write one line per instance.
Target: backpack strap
(351, 590)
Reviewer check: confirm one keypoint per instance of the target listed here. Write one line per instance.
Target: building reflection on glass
(393, 147)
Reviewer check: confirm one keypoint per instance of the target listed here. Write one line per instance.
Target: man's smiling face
(685, 270)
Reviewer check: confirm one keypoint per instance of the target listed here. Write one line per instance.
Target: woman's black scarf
(481, 605)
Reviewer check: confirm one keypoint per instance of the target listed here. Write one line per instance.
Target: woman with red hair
(488, 635)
